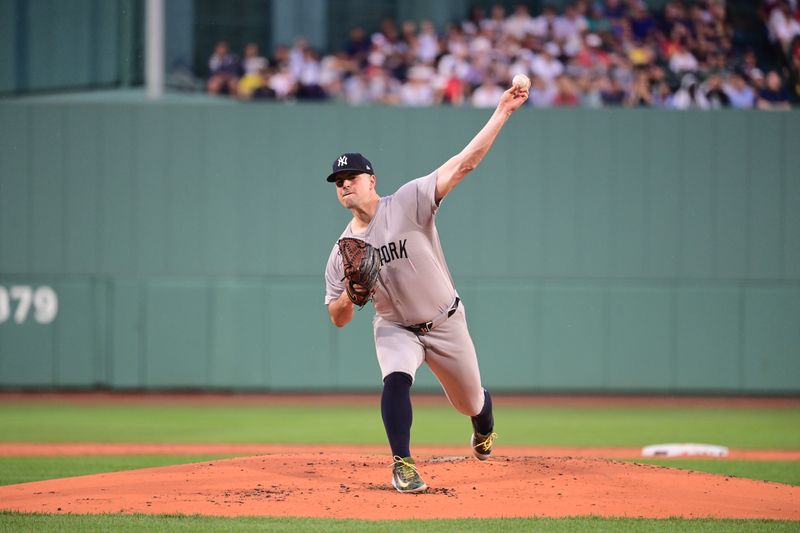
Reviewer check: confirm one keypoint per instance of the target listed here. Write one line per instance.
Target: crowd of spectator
(592, 54)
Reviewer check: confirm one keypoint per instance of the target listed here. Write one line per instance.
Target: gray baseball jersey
(414, 284)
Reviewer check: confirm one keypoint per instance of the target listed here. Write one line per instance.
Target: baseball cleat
(482, 444)
(405, 477)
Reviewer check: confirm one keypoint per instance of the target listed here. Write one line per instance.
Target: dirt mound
(354, 485)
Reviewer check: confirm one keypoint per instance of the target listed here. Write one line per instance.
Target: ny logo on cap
(342, 161)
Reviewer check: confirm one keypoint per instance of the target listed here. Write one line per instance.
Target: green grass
(119, 523)
(533, 425)
(524, 425)
(24, 469)
(780, 471)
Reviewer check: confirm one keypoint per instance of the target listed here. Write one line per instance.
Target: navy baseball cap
(350, 162)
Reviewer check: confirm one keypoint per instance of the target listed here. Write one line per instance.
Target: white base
(684, 450)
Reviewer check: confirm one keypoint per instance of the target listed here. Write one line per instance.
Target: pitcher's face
(353, 190)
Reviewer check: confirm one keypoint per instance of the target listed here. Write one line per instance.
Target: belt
(426, 327)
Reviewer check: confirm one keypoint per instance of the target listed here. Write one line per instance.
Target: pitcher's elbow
(466, 167)
(339, 321)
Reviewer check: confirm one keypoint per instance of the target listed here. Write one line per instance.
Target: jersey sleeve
(334, 274)
(418, 199)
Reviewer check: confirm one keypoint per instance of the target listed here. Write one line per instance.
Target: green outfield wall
(182, 245)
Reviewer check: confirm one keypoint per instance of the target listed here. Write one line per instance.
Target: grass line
(125, 523)
(26, 469)
(433, 425)
(778, 471)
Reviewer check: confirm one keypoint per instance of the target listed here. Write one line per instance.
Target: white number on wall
(20, 299)
(5, 306)
(45, 302)
(23, 294)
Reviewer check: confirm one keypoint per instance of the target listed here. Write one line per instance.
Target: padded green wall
(595, 250)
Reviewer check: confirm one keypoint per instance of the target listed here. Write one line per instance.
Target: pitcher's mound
(352, 485)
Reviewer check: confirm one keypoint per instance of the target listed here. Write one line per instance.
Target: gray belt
(426, 327)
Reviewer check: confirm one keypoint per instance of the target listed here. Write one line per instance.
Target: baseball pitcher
(390, 253)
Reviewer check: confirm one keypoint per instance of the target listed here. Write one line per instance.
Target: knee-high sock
(483, 422)
(396, 412)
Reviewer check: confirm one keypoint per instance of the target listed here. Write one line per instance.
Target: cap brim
(332, 176)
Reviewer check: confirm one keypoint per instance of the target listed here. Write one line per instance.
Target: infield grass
(780, 471)
(124, 523)
(24, 469)
(433, 425)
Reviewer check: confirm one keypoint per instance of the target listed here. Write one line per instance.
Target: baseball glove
(361, 264)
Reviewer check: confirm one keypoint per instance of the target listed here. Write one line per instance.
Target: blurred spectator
(283, 83)
(358, 45)
(546, 65)
(256, 74)
(225, 70)
(309, 79)
(690, 95)
(568, 30)
(253, 61)
(614, 9)
(487, 94)
(542, 27)
(682, 60)
(520, 23)
(453, 90)
(740, 94)
(611, 91)
(591, 53)
(783, 27)
(427, 45)
(641, 95)
(566, 93)
(541, 94)
(662, 95)
(296, 57)
(714, 93)
(773, 96)
(640, 54)
(642, 22)
(592, 57)
(250, 83)
(749, 65)
(590, 90)
(417, 90)
(794, 69)
(757, 80)
(473, 22)
(495, 24)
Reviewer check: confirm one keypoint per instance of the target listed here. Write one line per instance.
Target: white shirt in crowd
(520, 23)
(743, 98)
(487, 95)
(783, 28)
(547, 68)
(683, 61)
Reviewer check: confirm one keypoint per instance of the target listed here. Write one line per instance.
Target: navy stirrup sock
(483, 422)
(396, 412)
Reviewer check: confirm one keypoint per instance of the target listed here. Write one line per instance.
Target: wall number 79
(17, 301)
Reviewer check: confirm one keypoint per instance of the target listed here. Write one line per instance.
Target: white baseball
(521, 80)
